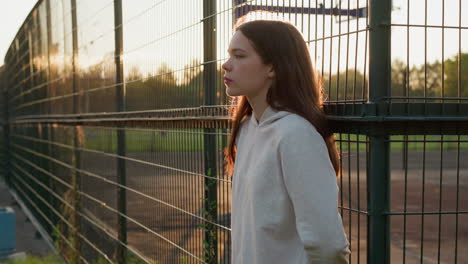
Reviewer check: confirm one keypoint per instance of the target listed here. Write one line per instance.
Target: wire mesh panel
(117, 123)
(42, 57)
(2, 153)
(60, 86)
(156, 78)
(166, 194)
(44, 174)
(19, 73)
(352, 182)
(429, 51)
(3, 124)
(429, 58)
(96, 56)
(428, 198)
(335, 31)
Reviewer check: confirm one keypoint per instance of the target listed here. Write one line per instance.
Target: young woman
(281, 155)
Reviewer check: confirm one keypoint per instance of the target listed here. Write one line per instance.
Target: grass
(54, 259)
(415, 143)
(150, 141)
(191, 140)
(51, 259)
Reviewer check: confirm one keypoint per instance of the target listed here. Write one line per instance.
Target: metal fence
(115, 124)
(3, 125)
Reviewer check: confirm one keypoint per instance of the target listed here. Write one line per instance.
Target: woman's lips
(227, 80)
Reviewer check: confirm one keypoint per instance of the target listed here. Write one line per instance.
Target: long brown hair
(297, 87)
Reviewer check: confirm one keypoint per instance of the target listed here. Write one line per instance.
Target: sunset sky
(139, 31)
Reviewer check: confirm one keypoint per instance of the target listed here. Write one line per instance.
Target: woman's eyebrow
(234, 50)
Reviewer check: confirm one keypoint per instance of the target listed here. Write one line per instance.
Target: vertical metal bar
(363, 91)
(379, 156)
(379, 50)
(48, 109)
(441, 182)
(347, 56)
(356, 49)
(405, 199)
(76, 99)
(330, 69)
(323, 44)
(443, 57)
(44, 179)
(50, 128)
(33, 132)
(49, 38)
(459, 83)
(338, 57)
(209, 138)
(425, 51)
(121, 147)
(457, 203)
(358, 143)
(4, 121)
(302, 14)
(48, 167)
(31, 69)
(20, 75)
(350, 201)
(316, 34)
(423, 202)
(6, 131)
(341, 174)
(378, 200)
(76, 158)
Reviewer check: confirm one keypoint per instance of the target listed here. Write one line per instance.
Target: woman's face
(244, 72)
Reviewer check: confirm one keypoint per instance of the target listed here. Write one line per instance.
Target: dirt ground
(170, 221)
(166, 223)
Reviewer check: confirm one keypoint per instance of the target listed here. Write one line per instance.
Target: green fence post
(46, 135)
(378, 200)
(6, 139)
(378, 166)
(76, 158)
(209, 139)
(121, 147)
(47, 110)
(49, 40)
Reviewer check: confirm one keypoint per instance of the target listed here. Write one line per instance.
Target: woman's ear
(271, 72)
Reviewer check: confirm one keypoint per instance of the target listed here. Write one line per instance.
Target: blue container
(7, 231)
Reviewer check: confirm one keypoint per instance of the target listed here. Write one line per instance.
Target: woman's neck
(258, 104)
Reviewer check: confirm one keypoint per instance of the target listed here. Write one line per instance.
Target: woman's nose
(226, 66)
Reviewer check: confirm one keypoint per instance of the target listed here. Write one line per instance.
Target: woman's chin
(231, 92)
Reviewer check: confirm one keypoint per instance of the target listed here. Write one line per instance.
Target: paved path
(28, 240)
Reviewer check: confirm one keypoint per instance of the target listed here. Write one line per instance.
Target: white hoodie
(284, 195)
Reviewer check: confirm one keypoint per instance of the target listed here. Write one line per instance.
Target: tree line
(169, 88)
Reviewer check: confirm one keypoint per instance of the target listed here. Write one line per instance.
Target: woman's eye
(238, 56)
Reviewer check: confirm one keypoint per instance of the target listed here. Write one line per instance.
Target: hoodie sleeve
(310, 181)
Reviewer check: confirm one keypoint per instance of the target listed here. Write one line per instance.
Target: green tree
(347, 85)
(452, 78)
(426, 80)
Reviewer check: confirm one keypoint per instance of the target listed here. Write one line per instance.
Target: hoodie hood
(269, 116)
